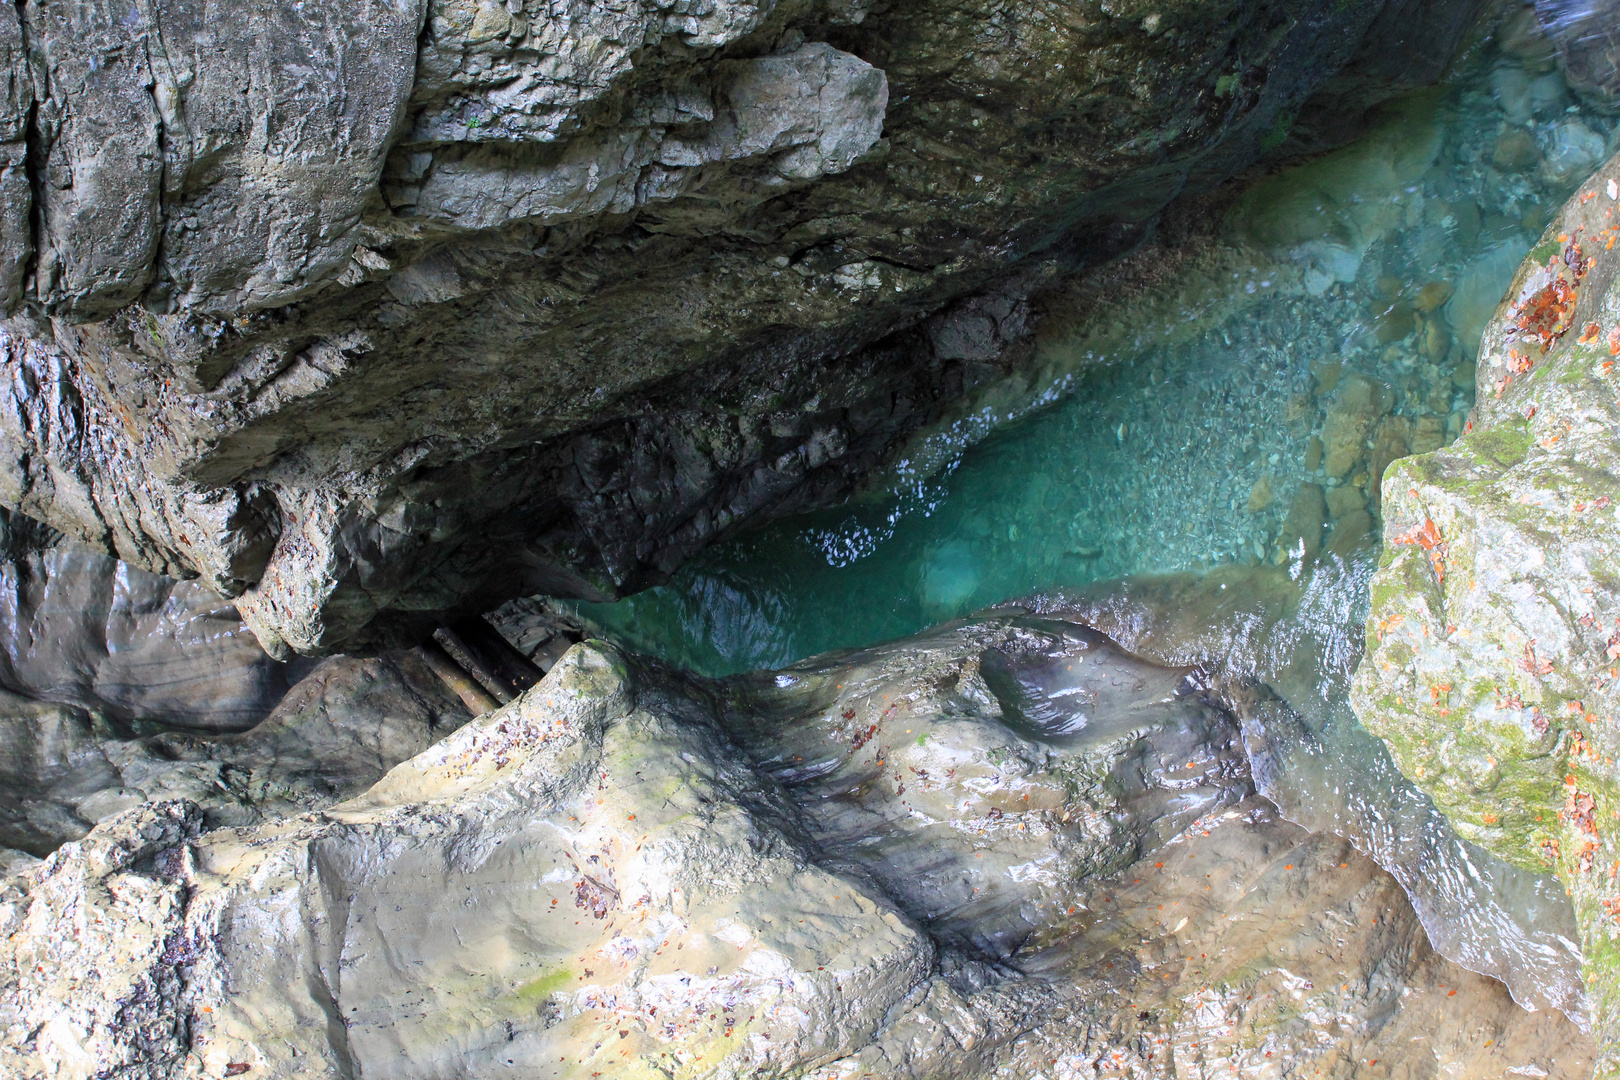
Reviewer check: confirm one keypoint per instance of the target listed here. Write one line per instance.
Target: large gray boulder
(369, 314)
(1006, 849)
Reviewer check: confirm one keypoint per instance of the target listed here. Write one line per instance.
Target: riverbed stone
(1345, 499)
(1359, 401)
(1261, 495)
(1515, 151)
(1350, 534)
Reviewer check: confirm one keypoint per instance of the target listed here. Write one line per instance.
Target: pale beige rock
(1260, 495)
(1345, 499)
(1313, 454)
(567, 867)
(596, 880)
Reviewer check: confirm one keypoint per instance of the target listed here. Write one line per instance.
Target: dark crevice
(167, 182)
(35, 152)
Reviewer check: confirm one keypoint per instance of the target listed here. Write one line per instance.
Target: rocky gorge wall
(371, 316)
(1129, 830)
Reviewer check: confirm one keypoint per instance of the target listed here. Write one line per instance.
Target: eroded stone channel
(1035, 761)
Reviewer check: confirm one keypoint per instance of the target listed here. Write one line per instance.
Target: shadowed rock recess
(369, 314)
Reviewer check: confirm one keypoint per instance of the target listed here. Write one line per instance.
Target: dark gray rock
(1586, 34)
(79, 628)
(979, 775)
(64, 768)
(373, 314)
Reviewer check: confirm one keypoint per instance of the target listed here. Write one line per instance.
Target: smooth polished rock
(80, 628)
(601, 879)
(63, 768)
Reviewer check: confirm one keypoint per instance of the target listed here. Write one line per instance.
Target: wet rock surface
(538, 299)
(119, 687)
(1283, 653)
(632, 872)
(80, 628)
(344, 725)
(1489, 668)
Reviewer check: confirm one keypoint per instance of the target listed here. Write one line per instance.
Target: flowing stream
(1194, 470)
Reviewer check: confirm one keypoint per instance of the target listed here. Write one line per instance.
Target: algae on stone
(1490, 665)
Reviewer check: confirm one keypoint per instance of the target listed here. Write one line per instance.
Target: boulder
(1356, 406)
(63, 768)
(1003, 849)
(83, 629)
(1490, 666)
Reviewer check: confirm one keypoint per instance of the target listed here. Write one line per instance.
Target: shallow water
(1165, 416)
(1331, 327)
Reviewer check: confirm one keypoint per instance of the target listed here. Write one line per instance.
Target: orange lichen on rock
(1547, 314)
(1427, 536)
(1580, 808)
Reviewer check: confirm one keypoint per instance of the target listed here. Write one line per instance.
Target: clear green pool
(1174, 430)
(1226, 426)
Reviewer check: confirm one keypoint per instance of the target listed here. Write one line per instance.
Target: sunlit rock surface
(1007, 849)
(1490, 668)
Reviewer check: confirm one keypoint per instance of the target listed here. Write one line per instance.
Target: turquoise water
(1190, 464)
(1173, 430)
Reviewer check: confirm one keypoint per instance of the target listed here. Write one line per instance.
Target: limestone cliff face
(366, 314)
(1492, 639)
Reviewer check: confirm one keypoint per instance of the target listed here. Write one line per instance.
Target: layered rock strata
(370, 315)
(1005, 849)
(1491, 643)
